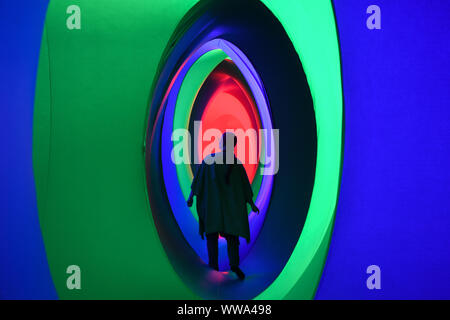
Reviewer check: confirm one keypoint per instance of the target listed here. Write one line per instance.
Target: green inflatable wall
(91, 105)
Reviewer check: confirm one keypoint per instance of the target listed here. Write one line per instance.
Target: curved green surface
(92, 96)
(92, 99)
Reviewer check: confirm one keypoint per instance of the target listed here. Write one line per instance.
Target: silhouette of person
(223, 190)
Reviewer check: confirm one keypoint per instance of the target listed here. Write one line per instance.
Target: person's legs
(233, 255)
(212, 243)
(233, 250)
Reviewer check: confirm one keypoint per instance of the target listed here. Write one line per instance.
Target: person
(223, 190)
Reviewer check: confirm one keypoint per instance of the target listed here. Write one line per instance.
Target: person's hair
(226, 137)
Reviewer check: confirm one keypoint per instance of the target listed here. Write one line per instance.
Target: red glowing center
(230, 107)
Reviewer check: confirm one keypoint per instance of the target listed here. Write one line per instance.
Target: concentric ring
(176, 196)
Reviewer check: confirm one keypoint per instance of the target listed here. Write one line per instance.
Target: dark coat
(222, 206)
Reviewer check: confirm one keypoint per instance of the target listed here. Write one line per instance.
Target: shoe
(238, 272)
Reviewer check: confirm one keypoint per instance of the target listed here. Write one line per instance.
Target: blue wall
(24, 271)
(394, 205)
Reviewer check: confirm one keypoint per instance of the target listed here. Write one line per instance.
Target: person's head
(228, 141)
